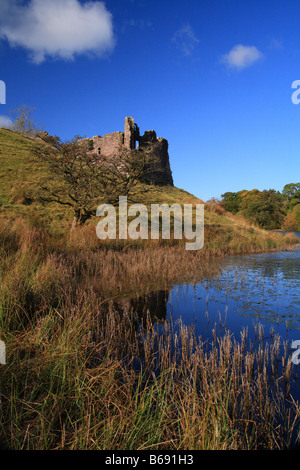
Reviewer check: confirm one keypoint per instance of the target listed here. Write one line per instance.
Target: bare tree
(83, 180)
(23, 122)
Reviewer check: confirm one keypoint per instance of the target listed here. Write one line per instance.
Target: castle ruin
(111, 144)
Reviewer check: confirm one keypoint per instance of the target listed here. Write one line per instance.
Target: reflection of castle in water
(153, 304)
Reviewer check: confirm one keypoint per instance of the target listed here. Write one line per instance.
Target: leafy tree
(291, 193)
(232, 201)
(82, 179)
(263, 208)
(23, 121)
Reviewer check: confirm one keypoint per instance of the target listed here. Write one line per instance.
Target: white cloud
(5, 121)
(57, 28)
(186, 40)
(241, 56)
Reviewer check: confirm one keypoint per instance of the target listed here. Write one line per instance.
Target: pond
(248, 290)
(262, 288)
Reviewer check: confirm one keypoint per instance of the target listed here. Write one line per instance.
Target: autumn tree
(291, 193)
(292, 220)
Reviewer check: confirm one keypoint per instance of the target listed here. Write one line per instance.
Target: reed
(81, 380)
(84, 374)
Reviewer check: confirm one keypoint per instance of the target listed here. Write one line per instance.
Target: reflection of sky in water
(262, 288)
(249, 290)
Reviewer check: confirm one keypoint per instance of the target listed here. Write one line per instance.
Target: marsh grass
(82, 374)
(92, 382)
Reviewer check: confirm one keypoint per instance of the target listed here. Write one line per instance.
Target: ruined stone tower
(131, 133)
(111, 144)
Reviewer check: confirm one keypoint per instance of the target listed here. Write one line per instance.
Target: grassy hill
(21, 170)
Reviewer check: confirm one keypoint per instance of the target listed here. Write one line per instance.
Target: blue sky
(213, 77)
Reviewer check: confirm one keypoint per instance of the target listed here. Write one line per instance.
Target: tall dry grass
(82, 374)
(80, 380)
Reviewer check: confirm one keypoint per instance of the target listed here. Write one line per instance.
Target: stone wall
(160, 170)
(109, 144)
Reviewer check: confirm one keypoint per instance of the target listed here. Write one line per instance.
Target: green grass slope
(21, 170)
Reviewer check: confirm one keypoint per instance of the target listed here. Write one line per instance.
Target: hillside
(20, 171)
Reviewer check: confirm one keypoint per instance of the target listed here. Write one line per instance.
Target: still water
(247, 290)
(262, 288)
